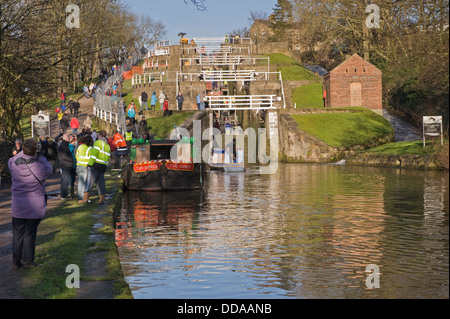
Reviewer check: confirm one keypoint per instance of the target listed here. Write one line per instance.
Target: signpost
(40, 125)
(432, 127)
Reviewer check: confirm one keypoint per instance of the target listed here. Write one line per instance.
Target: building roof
(353, 58)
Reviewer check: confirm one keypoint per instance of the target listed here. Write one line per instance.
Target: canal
(309, 231)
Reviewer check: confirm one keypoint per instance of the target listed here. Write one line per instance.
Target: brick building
(354, 82)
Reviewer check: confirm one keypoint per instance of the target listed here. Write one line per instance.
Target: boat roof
(163, 143)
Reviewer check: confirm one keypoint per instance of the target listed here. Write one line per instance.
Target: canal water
(309, 231)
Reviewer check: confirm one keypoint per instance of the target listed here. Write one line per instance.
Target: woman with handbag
(28, 202)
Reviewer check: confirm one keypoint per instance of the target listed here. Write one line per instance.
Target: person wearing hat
(143, 128)
(97, 165)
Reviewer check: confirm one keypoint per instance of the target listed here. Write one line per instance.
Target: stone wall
(297, 146)
(276, 47)
(398, 161)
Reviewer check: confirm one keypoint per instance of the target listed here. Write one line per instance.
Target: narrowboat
(163, 166)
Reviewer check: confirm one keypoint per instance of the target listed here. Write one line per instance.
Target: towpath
(10, 279)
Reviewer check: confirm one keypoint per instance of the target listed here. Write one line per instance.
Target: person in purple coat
(28, 202)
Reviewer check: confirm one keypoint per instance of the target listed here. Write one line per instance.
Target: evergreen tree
(282, 17)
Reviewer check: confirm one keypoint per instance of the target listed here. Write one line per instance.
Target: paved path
(86, 108)
(404, 132)
(10, 280)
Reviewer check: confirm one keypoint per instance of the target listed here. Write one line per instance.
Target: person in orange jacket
(122, 149)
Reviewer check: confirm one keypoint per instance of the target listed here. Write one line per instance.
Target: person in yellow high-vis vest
(83, 156)
(98, 163)
(129, 140)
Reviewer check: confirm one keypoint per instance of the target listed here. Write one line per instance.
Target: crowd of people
(131, 110)
(86, 155)
(77, 156)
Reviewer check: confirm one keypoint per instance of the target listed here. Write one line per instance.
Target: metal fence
(221, 40)
(220, 49)
(230, 76)
(242, 102)
(111, 109)
(139, 79)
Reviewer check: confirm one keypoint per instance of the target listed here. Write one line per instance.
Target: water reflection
(309, 231)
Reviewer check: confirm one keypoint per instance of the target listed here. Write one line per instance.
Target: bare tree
(243, 32)
(40, 56)
(411, 44)
(257, 15)
(149, 31)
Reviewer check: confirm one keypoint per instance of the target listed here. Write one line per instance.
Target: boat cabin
(163, 151)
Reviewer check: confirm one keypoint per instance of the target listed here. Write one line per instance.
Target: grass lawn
(63, 240)
(402, 148)
(127, 95)
(163, 126)
(345, 129)
(308, 96)
(290, 69)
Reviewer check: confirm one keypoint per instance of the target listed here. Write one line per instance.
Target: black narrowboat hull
(168, 177)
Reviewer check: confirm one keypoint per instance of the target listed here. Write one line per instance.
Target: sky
(222, 16)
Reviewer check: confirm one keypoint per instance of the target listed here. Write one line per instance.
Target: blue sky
(222, 16)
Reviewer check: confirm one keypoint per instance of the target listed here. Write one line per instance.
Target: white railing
(229, 49)
(230, 76)
(190, 77)
(217, 76)
(223, 60)
(155, 64)
(215, 50)
(159, 52)
(106, 116)
(211, 60)
(145, 78)
(242, 102)
(164, 43)
(209, 40)
(111, 109)
(220, 40)
(234, 75)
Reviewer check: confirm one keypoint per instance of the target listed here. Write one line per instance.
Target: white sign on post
(432, 127)
(40, 125)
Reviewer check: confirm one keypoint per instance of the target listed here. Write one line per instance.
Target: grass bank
(402, 148)
(308, 96)
(359, 127)
(290, 69)
(163, 126)
(439, 153)
(64, 239)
